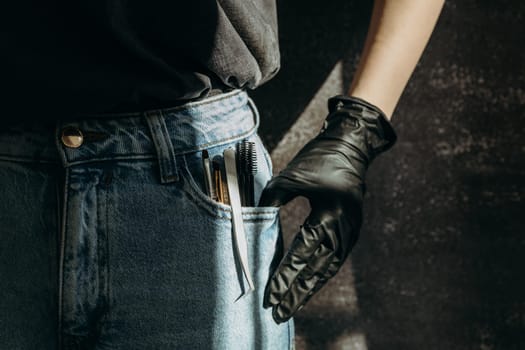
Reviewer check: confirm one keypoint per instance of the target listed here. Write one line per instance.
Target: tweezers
(241, 245)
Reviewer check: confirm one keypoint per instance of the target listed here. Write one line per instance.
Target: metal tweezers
(241, 245)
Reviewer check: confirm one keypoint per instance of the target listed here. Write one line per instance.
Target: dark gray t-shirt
(64, 58)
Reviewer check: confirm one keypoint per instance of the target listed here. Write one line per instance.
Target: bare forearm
(398, 33)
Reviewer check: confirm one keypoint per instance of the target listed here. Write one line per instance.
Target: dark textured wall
(440, 262)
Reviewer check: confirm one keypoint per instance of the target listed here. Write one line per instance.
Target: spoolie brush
(251, 170)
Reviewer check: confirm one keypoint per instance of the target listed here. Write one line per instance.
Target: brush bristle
(252, 158)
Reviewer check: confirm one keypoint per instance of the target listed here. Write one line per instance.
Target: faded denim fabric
(115, 245)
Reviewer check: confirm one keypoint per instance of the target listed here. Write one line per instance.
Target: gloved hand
(329, 171)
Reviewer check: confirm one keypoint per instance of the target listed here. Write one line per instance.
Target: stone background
(440, 262)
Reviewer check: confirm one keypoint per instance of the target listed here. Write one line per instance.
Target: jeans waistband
(162, 134)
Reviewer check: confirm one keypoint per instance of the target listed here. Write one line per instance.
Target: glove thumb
(276, 193)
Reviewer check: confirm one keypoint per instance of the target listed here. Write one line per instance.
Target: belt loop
(163, 146)
(255, 112)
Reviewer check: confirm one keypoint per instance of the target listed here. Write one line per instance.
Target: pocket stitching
(217, 209)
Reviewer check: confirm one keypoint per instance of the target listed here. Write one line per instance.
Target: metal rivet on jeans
(72, 137)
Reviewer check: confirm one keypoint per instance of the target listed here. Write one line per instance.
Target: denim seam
(255, 111)
(174, 152)
(170, 162)
(187, 105)
(205, 101)
(140, 156)
(130, 157)
(108, 247)
(59, 228)
(220, 142)
(291, 337)
(103, 190)
(62, 237)
(267, 157)
(107, 312)
(215, 211)
(163, 146)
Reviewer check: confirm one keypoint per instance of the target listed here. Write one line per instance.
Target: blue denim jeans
(110, 241)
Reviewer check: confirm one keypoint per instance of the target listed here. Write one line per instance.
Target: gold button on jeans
(72, 137)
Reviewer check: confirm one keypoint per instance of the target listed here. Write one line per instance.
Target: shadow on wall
(439, 261)
(313, 38)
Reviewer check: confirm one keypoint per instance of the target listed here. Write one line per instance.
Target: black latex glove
(329, 171)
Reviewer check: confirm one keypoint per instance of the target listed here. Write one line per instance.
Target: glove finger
(307, 283)
(305, 243)
(319, 283)
(278, 192)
